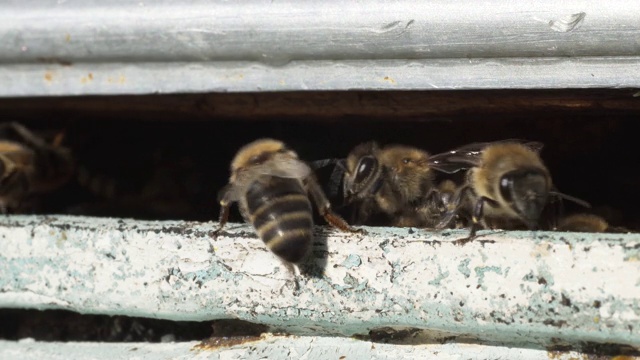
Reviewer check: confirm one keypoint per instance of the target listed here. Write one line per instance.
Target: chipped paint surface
(273, 347)
(529, 288)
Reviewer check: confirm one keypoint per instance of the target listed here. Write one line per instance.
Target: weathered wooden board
(520, 288)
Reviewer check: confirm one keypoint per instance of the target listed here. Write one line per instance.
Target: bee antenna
(570, 198)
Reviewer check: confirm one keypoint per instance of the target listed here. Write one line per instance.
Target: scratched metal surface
(518, 288)
(53, 47)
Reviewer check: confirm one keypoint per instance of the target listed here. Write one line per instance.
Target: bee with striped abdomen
(272, 187)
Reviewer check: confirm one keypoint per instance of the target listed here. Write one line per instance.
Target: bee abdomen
(286, 228)
(281, 214)
(290, 236)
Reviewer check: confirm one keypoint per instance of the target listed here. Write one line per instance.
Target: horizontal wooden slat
(520, 288)
(274, 347)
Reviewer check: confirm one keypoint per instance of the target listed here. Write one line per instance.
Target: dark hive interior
(168, 155)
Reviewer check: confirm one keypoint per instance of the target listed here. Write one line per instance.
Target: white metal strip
(75, 47)
(276, 32)
(443, 74)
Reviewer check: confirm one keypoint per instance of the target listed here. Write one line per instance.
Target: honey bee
(29, 165)
(272, 187)
(587, 223)
(395, 182)
(507, 184)
(583, 223)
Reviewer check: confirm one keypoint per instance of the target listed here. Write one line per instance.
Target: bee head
(362, 171)
(408, 170)
(526, 192)
(405, 162)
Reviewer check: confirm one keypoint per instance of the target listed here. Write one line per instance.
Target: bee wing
(469, 156)
(448, 167)
(462, 158)
(285, 168)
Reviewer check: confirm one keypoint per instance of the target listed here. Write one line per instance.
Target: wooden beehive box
(155, 98)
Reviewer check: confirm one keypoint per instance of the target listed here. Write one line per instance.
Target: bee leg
(226, 197)
(478, 211)
(452, 210)
(294, 271)
(324, 207)
(337, 221)
(222, 220)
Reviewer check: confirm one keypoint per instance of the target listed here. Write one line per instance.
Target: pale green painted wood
(272, 347)
(519, 288)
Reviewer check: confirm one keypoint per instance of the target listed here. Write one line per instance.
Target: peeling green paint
(441, 276)
(482, 270)
(387, 278)
(463, 268)
(352, 261)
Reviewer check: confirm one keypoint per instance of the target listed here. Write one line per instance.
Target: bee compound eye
(506, 186)
(406, 160)
(365, 168)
